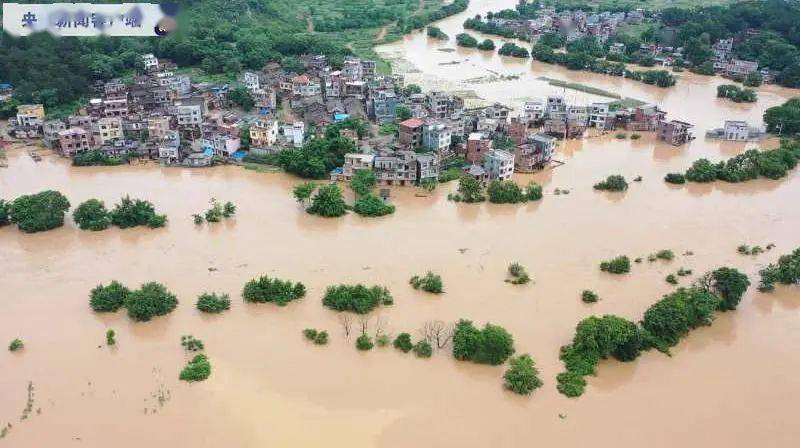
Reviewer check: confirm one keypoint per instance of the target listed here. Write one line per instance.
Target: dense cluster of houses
(163, 116)
(560, 119)
(726, 64)
(572, 24)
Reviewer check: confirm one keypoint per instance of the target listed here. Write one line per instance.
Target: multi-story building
(169, 152)
(478, 145)
(264, 132)
(150, 62)
(251, 81)
(73, 140)
(535, 153)
(534, 110)
(30, 115)
(295, 133)
(50, 130)
(436, 136)
(189, 112)
(411, 132)
(499, 164)
(427, 167)
(106, 130)
(383, 107)
(352, 163)
(302, 85)
(352, 70)
(399, 168)
(674, 132)
(157, 127)
(600, 116)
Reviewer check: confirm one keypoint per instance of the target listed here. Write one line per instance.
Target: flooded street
(733, 384)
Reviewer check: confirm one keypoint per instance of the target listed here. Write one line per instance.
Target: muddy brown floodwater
(731, 384)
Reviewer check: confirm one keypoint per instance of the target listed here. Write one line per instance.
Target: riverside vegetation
(786, 271)
(663, 325)
(750, 165)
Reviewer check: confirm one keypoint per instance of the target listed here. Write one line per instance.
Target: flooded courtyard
(731, 384)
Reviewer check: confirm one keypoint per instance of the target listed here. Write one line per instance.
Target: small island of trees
(490, 345)
(38, 212)
(430, 282)
(750, 165)
(522, 376)
(213, 303)
(615, 182)
(736, 93)
(272, 290)
(150, 300)
(465, 40)
(786, 271)
(359, 299)
(198, 369)
(662, 327)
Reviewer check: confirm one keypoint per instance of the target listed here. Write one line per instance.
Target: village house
(264, 132)
(304, 86)
(411, 132)
(223, 145)
(30, 115)
(736, 130)
(157, 126)
(427, 167)
(517, 129)
(436, 136)
(150, 62)
(740, 69)
(674, 132)
(250, 81)
(499, 164)
(189, 112)
(646, 118)
(397, 168)
(295, 133)
(169, 152)
(443, 105)
(535, 153)
(478, 145)
(50, 130)
(352, 163)
(496, 111)
(72, 141)
(383, 107)
(534, 110)
(600, 116)
(106, 130)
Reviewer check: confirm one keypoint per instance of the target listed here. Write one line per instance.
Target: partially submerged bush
(356, 298)
(16, 345)
(150, 300)
(39, 212)
(198, 369)
(272, 290)
(135, 212)
(108, 298)
(589, 296)
(671, 279)
(665, 254)
(430, 282)
(490, 345)
(519, 275)
(111, 337)
(730, 285)
(92, 215)
(213, 303)
(191, 343)
(328, 202)
(423, 349)
(364, 343)
(522, 377)
(785, 271)
(403, 342)
(618, 265)
(370, 205)
(319, 337)
(675, 178)
(614, 182)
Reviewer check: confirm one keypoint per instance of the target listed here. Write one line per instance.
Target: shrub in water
(430, 282)
(356, 298)
(522, 377)
(198, 369)
(618, 265)
(403, 342)
(364, 342)
(265, 289)
(213, 303)
(108, 298)
(152, 299)
(423, 349)
(15, 345)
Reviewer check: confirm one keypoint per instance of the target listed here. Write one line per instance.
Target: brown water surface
(731, 384)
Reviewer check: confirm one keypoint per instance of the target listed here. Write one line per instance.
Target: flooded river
(731, 384)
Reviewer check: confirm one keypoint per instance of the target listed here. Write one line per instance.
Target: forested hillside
(221, 37)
